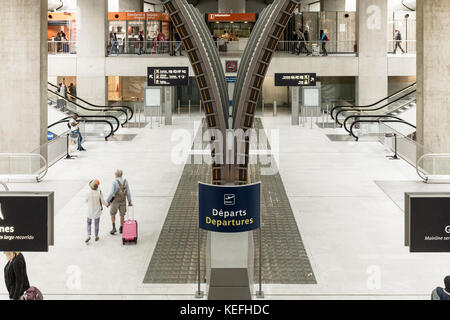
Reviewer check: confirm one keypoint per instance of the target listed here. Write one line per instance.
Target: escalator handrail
(88, 109)
(93, 116)
(393, 120)
(87, 121)
(424, 177)
(374, 104)
(376, 109)
(97, 106)
(378, 116)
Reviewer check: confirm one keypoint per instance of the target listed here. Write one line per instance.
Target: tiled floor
(352, 230)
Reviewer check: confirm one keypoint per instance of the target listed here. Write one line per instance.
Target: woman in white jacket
(95, 202)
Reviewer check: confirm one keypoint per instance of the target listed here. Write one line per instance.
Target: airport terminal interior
(225, 149)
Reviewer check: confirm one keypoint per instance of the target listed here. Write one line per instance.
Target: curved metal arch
(260, 54)
(206, 65)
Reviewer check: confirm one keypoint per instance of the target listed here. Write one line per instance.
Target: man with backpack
(441, 293)
(117, 199)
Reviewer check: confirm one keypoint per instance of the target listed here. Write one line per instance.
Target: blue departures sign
(229, 209)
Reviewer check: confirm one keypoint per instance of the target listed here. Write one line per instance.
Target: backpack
(326, 38)
(121, 194)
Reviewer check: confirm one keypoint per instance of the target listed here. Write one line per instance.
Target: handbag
(33, 293)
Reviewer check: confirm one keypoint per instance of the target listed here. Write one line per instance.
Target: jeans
(324, 48)
(97, 226)
(398, 44)
(80, 139)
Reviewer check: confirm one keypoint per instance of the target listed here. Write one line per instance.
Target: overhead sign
(295, 79)
(148, 16)
(231, 66)
(231, 79)
(26, 221)
(427, 218)
(229, 209)
(235, 17)
(167, 76)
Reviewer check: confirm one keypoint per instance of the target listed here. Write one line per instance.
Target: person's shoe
(113, 231)
(82, 149)
(88, 239)
(96, 239)
(120, 229)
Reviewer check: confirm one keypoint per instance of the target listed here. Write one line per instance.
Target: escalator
(395, 109)
(385, 106)
(111, 110)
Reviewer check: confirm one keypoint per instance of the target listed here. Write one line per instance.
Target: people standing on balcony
(58, 42)
(113, 43)
(398, 41)
(140, 43)
(295, 40)
(324, 39)
(303, 47)
(178, 45)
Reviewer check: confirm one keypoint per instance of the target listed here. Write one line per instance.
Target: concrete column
(23, 75)
(231, 6)
(295, 92)
(372, 83)
(169, 104)
(332, 5)
(433, 69)
(91, 50)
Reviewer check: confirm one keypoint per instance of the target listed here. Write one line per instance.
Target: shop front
(139, 33)
(62, 32)
(231, 31)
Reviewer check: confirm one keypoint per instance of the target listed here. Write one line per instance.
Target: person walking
(117, 200)
(15, 275)
(398, 41)
(303, 47)
(295, 40)
(113, 43)
(178, 45)
(324, 39)
(75, 129)
(95, 202)
(442, 293)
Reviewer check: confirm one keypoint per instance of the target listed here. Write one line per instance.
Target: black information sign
(429, 222)
(295, 79)
(167, 76)
(229, 209)
(26, 221)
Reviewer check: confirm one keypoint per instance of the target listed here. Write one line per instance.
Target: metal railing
(431, 167)
(62, 47)
(434, 168)
(408, 46)
(15, 166)
(316, 48)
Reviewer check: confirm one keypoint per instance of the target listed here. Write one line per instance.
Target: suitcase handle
(129, 209)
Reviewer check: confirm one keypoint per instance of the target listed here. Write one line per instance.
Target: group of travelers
(116, 201)
(15, 271)
(65, 93)
(62, 43)
(301, 40)
(155, 43)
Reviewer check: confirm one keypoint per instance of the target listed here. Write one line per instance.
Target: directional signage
(427, 222)
(26, 221)
(229, 209)
(167, 76)
(295, 79)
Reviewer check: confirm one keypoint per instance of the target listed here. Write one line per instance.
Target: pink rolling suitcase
(130, 229)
